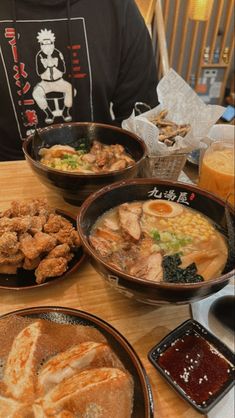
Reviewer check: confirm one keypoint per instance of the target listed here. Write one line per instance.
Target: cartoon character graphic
(50, 67)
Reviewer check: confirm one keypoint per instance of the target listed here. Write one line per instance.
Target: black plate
(25, 279)
(187, 328)
(143, 403)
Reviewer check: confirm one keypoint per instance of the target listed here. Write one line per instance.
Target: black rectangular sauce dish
(196, 364)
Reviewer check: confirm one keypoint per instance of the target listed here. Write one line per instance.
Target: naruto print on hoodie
(68, 60)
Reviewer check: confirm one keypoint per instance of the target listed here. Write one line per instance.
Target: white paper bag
(184, 106)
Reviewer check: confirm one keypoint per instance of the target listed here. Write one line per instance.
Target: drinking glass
(217, 170)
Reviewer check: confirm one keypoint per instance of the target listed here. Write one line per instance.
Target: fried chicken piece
(9, 243)
(16, 224)
(6, 225)
(37, 223)
(32, 247)
(50, 267)
(68, 236)
(12, 258)
(31, 264)
(55, 223)
(76, 242)
(21, 223)
(27, 246)
(62, 250)
(44, 242)
(32, 208)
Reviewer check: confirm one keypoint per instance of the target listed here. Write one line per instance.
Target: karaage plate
(26, 279)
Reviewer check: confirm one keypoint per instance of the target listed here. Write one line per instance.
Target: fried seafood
(33, 236)
(168, 130)
(60, 370)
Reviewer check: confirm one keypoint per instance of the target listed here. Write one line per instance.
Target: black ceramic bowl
(143, 404)
(144, 189)
(75, 187)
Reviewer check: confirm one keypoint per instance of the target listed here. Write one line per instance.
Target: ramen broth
(140, 238)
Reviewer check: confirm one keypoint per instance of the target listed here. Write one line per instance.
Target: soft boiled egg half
(162, 208)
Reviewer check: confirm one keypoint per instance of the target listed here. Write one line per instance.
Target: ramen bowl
(76, 187)
(142, 400)
(152, 292)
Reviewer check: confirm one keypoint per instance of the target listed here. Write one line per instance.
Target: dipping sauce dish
(196, 364)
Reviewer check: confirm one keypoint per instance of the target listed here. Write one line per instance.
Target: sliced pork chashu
(100, 393)
(148, 267)
(129, 216)
(70, 362)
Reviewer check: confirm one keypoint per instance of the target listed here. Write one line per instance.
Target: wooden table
(141, 324)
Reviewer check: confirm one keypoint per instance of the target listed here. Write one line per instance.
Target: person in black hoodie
(69, 60)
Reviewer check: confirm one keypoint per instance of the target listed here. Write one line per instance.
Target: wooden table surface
(141, 324)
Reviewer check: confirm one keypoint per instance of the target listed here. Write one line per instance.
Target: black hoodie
(74, 58)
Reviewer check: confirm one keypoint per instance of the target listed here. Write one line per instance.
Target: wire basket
(166, 167)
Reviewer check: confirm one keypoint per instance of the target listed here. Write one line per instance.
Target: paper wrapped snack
(181, 106)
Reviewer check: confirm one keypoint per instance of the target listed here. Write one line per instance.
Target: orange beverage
(217, 170)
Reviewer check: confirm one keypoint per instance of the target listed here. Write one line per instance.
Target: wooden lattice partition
(201, 52)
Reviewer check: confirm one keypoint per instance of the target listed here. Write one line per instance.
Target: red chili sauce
(196, 366)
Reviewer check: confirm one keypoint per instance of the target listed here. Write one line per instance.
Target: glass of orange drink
(217, 170)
